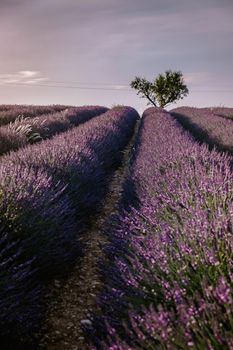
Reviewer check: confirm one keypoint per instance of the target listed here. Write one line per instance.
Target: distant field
(37, 127)
(209, 125)
(115, 230)
(9, 113)
(222, 111)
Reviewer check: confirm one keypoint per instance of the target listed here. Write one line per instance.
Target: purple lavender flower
(48, 193)
(223, 292)
(170, 255)
(32, 129)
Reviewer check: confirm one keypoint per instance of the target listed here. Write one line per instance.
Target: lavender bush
(6, 107)
(35, 215)
(28, 130)
(222, 111)
(169, 280)
(48, 192)
(9, 113)
(206, 126)
(11, 140)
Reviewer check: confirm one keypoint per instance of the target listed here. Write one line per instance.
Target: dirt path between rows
(74, 302)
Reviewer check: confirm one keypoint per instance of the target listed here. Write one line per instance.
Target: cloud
(28, 73)
(36, 80)
(10, 81)
(23, 77)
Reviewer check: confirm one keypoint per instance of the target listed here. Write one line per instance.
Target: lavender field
(26, 130)
(208, 125)
(115, 230)
(169, 281)
(9, 113)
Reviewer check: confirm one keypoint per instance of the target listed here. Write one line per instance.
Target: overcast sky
(104, 44)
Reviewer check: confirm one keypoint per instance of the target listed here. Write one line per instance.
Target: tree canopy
(165, 89)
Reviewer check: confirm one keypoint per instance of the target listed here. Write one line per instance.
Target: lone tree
(165, 89)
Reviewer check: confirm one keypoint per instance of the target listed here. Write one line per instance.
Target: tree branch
(148, 97)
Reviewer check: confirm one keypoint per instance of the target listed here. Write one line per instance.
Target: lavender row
(6, 107)
(222, 111)
(207, 126)
(49, 192)
(24, 131)
(169, 280)
(9, 113)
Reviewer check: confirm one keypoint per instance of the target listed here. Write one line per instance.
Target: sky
(79, 52)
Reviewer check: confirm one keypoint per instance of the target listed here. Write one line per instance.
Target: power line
(200, 91)
(82, 83)
(69, 87)
(112, 88)
(124, 87)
